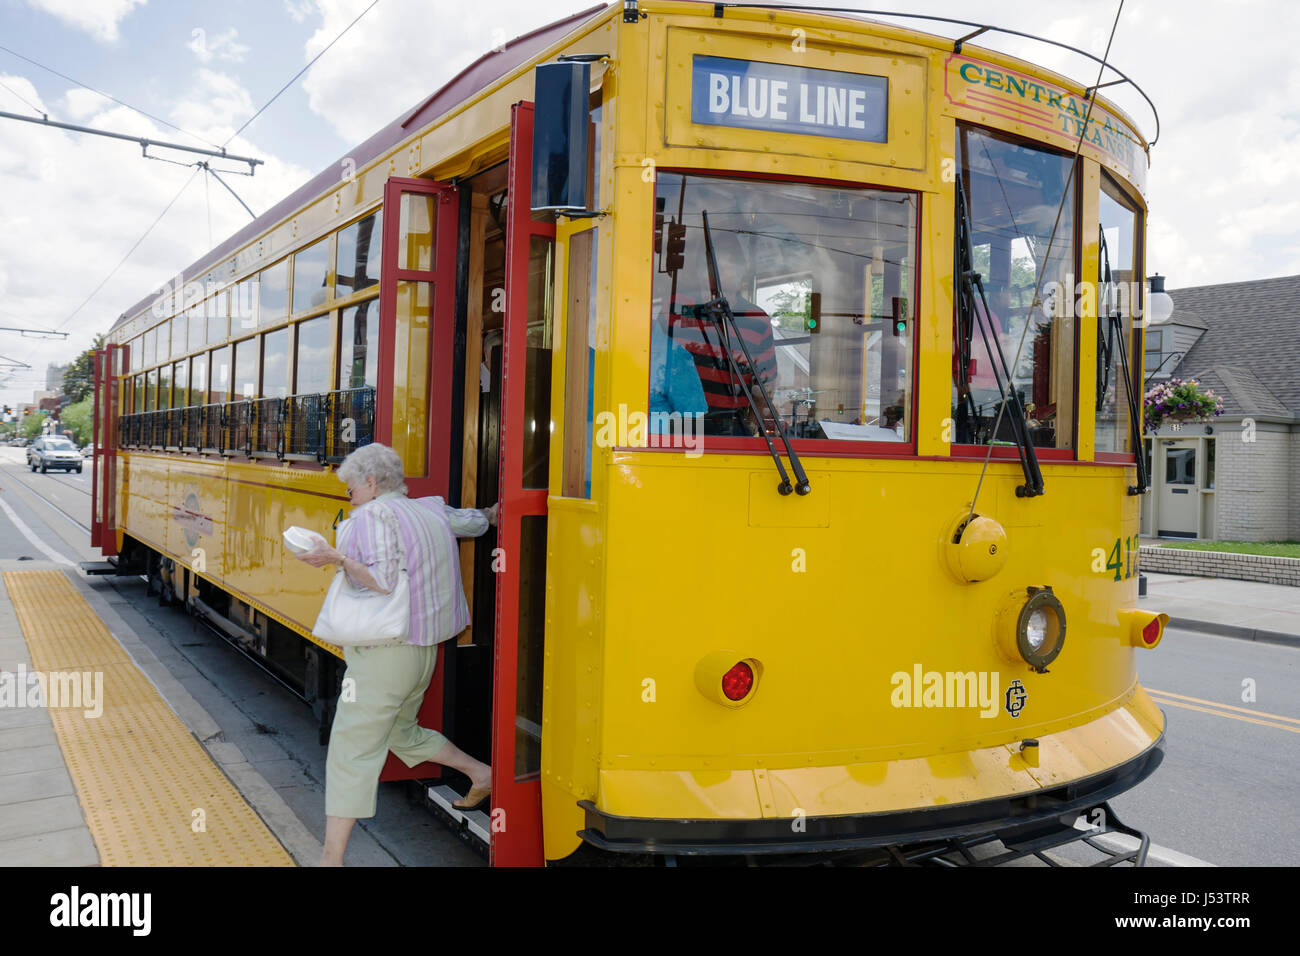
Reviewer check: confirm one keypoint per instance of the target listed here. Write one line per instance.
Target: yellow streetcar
(801, 351)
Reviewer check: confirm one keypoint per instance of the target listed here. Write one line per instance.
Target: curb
(1236, 632)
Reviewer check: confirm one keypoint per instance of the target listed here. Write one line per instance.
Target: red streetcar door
(108, 364)
(521, 565)
(417, 324)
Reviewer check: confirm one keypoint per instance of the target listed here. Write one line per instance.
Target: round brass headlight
(1040, 629)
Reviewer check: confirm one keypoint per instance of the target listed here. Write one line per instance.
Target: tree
(78, 420)
(32, 424)
(79, 379)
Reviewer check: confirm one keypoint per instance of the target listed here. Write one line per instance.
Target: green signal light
(811, 323)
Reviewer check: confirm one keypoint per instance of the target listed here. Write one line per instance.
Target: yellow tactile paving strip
(139, 773)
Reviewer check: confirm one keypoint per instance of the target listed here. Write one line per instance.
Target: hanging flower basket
(1177, 402)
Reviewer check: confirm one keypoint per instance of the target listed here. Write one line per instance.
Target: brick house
(1237, 478)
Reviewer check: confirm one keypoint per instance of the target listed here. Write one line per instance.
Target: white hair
(374, 461)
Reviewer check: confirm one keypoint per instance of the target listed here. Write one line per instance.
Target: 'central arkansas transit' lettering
(789, 99)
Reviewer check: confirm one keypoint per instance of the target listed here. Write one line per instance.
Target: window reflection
(1013, 194)
(275, 364)
(312, 364)
(310, 276)
(820, 280)
(357, 261)
(1116, 292)
(359, 345)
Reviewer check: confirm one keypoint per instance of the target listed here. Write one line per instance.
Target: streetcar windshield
(820, 279)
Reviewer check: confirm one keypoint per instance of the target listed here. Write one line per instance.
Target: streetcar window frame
(1043, 453)
(823, 447)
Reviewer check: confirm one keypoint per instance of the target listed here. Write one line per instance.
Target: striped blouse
(427, 531)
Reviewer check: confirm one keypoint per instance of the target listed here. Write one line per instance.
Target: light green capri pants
(382, 692)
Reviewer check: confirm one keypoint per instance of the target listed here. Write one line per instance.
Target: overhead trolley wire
(108, 96)
(169, 205)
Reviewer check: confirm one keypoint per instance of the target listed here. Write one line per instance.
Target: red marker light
(738, 681)
(1151, 633)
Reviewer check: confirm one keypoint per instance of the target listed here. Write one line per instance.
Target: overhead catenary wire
(169, 205)
(108, 96)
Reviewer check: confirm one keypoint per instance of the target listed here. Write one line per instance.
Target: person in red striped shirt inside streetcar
(728, 408)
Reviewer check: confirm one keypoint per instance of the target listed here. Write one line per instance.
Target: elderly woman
(389, 681)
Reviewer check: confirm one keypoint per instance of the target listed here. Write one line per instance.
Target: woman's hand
(491, 514)
(321, 555)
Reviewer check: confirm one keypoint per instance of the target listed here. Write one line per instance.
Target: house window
(1209, 464)
(1154, 344)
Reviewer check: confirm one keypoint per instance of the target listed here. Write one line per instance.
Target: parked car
(54, 451)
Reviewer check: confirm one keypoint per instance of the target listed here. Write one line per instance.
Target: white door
(1179, 499)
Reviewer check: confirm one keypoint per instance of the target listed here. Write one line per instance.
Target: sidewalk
(1241, 609)
(48, 818)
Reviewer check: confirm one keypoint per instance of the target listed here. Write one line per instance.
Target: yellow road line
(1212, 703)
(150, 793)
(1220, 713)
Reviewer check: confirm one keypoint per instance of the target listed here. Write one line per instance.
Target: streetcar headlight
(1036, 630)
(1040, 629)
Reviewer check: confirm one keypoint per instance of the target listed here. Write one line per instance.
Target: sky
(1223, 74)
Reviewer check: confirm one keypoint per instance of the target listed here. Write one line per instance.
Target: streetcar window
(163, 347)
(311, 276)
(579, 363)
(359, 345)
(199, 379)
(273, 293)
(137, 394)
(221, 371)
(245, 370)
(198, 327)
(1013, 193)
(243, 306)
(151, 390)
(1119, 226)
(357, 258)
(415, 231)
(275, 364)
(820, 279)
(180, 325)
(137, 354)
(181, 383)
(165, 387)
(218, 324)
(312, 357)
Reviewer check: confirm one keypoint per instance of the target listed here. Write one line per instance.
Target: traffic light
(676, 257)
(898, 322)
(813, 323)
(659, 223)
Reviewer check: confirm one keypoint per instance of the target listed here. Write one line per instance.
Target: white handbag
(353, 616)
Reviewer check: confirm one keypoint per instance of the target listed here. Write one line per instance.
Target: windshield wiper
(969, 285)
(719, 311)
(1107, 342)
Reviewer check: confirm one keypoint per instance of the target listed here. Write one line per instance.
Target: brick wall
(1253, 483)
(1221, 564)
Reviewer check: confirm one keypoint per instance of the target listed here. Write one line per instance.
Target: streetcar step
(99, 567)
(475, 823)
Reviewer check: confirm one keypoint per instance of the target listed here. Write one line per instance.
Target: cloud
(299, 10)
(402, 51)
(99, 18)
(222, 46)
(74, 205)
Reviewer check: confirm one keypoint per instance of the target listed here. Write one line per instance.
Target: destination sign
(789, 99)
